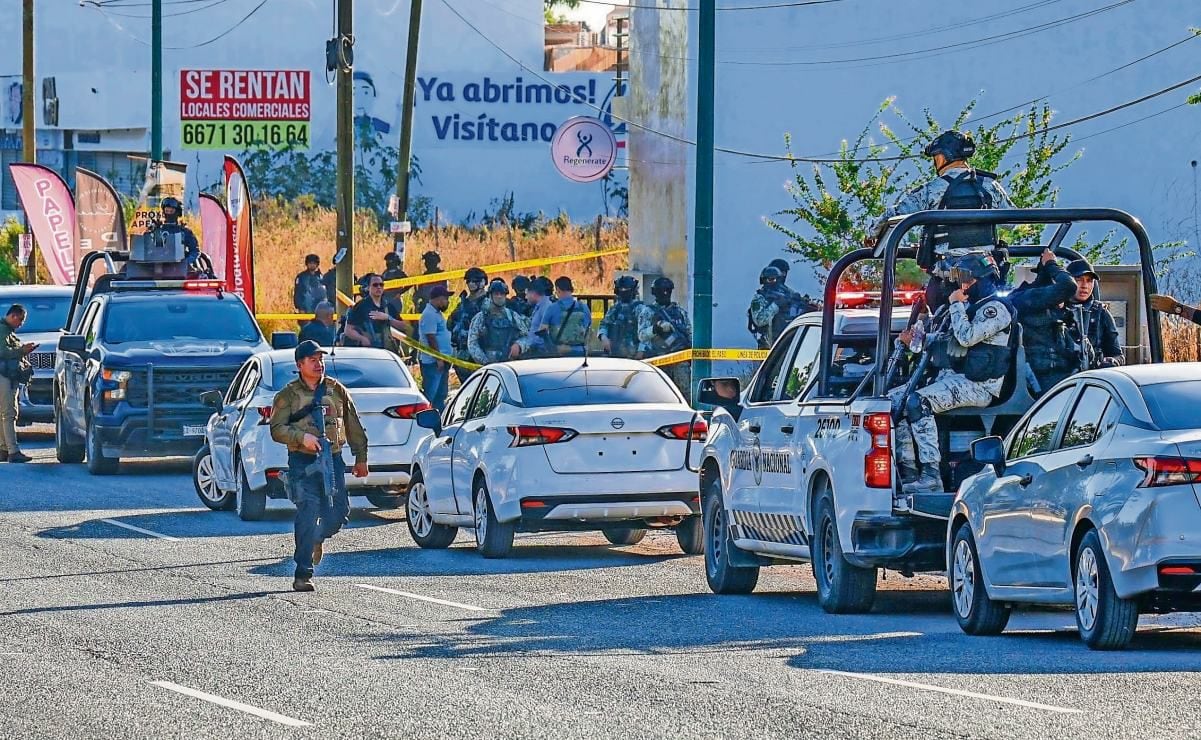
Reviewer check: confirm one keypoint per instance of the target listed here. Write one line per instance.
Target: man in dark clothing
(1093, 320)
(369, 322)
(309, 288)
(519, 302)
(321, 329)
(394, 270)
(421, 294)
(1044, 320)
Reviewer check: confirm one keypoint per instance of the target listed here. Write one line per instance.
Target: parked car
(558, 445)
(1093, 500)
(240, 466)
(47, 306)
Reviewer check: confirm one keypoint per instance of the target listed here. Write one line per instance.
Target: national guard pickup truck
(799, 465)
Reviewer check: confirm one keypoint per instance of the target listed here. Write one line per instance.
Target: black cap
(1077, 268)
(307, 348)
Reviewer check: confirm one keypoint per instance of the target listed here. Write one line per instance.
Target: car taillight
(696, 430)
(528, 436)
(264, 414)
(877, 466)
(1168, 471)
(408, 410)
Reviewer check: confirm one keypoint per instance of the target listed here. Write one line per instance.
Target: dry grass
(1181, 340)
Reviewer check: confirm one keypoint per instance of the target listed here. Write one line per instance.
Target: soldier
(172, 209)
(764, 319)
(421, 294)
(394, 270)
(497, 333)
(619, 329)
(664, 328)
(307, 288)
(471, 302)
(370, 321)
(294, 422)
(804, 303)
(1095, 331)
(1040, 310)
(566, 323)
(972, 360)
(519, 302)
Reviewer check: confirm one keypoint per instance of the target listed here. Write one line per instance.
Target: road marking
(265, 714)
(952, 692)
(132, 528)
(419, 597)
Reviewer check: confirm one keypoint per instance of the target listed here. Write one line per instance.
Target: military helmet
(770, 273)
(781, 265)
(520, 283)
(662, 285)
(392, 258)
(497, 286)
(170, 202)
(431, 258)
(475, 275)
(951, 144)
(625, 284)
(973, 266)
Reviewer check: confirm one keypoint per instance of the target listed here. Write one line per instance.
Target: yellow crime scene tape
(405, 340)
(687, 355)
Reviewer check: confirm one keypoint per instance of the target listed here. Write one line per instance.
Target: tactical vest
(679, 338)
(984, 361)
(789, 310)
(521, 306)
(571, 331)
(468, 308)
(500, 331)
(968, 190)
(623, 328)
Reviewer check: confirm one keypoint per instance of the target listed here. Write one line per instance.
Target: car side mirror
(719, 391)
(73, 343)
(212, 399)
(430, 419)
(990, 451)
(284, 340)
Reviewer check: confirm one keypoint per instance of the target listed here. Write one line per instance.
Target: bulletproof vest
(571, 330)
(500, 331)
(1048, 346)
(968, 190)
(986, 361)
(468, 308)
(623, 328)
(789, 310)
(679, 338)
(520, 305)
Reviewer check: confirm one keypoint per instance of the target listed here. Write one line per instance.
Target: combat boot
(929, 481)
(303, 584)
(909, 474)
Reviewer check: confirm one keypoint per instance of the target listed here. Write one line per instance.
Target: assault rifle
(324, 464)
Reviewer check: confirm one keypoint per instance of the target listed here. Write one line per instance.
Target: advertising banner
(98, 213)
(244, 109)
(239, 261)
(50, 208)
(163, 180)
(214, 232)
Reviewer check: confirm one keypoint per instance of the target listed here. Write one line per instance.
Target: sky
(593, 13)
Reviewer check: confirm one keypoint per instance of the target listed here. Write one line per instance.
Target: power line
(688, 9)
(142, 41)
(189, 11)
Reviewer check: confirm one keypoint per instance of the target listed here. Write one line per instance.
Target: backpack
(572, 331)
(968, 190)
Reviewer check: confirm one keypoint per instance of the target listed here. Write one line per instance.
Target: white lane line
(132, 528)
(419, 597)
(952, 692)
(265, 714)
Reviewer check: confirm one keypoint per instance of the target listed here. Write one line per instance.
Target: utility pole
(344, 58)
(702, 267)
(404, 162)
(156, 81)
(29, 150)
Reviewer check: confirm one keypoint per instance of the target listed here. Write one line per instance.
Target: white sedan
(558, 445)
(240, 466)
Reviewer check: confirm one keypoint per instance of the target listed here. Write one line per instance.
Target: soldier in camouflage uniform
(497, 333)
(973, 360)
(619, 328)
(519, 302)
(764, 319)
(471, 302)
(664, 328)
(293, 424)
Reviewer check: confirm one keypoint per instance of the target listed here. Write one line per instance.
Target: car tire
(842, 588)
(976, 612)
(428, 534)
(624, 535)
(252, 505)
(98, 464)
(205, 483)
(690, 534)
(492, 538)
(381, 500)
(1105, 620)
(68, 447)
(722, 575)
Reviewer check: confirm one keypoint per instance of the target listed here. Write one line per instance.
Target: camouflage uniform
(494, 331)
(662, 330)
(620, 327)
(772, 310)
(291, 419)
(929, 195)
(460, 326)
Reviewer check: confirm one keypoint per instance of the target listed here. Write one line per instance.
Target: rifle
(934, 335)
(915, 312)
(324, 464)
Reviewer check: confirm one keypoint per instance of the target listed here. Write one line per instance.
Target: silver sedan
(1093, 500)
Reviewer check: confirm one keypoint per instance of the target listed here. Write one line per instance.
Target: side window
(87, 325)
(487, 399)
(1084, 427)
(1040, 429)
(250, 382)
(849, 365)
(456, 413)
(1113, 414)
(804, 363)
(232, 394)
(768, 379)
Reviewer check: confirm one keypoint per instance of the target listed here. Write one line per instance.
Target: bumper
(134, 438)
(571, 512)
(35, 401)
(1155, 526)
(901, 542)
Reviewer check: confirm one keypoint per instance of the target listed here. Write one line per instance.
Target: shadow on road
(197, 523)
(138, 604)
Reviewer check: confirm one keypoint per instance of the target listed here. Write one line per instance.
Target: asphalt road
(129, 610)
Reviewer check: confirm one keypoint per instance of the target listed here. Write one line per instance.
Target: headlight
(116, 376)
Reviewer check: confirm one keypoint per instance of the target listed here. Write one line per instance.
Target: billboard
(231, 109)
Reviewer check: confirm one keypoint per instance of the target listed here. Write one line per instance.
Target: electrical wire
(690, 9)
(144, 42)
(213, 3)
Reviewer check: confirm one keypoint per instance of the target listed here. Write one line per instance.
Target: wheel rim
(481, 515)
(420, 518)
(205, 480)
(963, 578)
(716, 536)
(1088, 589)
(828, 550)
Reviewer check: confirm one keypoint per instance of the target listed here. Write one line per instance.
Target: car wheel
(1106, 621)
(723, 576)
(381, 500)
(624, 535)
(977, 614)
(68, 447)
(842, 588)
(427, 533)
(205, 483)
(252, 505)
(690, 533)
(492, 539)
(98, 464)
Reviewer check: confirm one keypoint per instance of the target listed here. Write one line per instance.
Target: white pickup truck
(799, 465)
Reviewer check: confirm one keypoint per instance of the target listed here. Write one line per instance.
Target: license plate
(193, 431)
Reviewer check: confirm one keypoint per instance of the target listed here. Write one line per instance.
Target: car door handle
(480, 428)
(754, 428)
(788, 429)
(1026, 480)
(1084, 462)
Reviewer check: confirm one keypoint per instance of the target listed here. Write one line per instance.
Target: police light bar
(215, 285)
(853, 298)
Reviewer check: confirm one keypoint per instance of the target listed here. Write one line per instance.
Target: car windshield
(352, 373)
(588, 387)
(170, 317)
(43, 313)
(1174, 405)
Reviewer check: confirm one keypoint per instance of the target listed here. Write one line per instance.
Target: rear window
(43, 313)
(171, 317)
(1174, 405)
(588, 387)
(356, 373)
